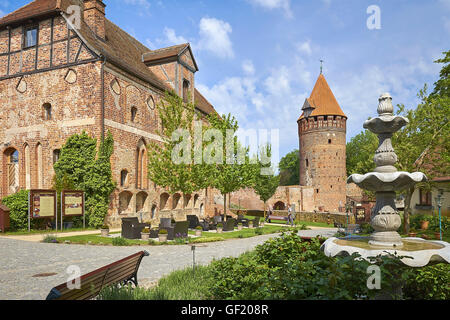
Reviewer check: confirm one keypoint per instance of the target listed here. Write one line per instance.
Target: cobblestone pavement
(20, 260)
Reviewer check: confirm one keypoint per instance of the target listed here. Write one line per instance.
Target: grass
(206, 237)
(178, 285)
(307, 223)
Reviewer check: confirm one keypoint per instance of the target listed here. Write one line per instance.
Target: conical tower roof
(322, 101)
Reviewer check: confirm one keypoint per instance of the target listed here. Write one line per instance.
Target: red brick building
(322, 131)
(61, 74)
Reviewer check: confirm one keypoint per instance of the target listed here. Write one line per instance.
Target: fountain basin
(421, 252)
(386, 181)
(385, 124)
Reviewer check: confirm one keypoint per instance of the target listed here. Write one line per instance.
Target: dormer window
(30, 37)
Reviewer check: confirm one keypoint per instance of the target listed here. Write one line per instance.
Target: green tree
(424, 144)
(265, 182)
(360, 152)
(230, 168)
(171, 162)
(290, 169)
(81, 167)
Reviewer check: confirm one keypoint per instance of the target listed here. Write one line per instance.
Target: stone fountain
(385, 220)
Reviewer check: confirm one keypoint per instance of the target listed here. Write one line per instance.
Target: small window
(185, 90)
(123, 178)
(317, 190)
(307, 163)
(133, 113)
(30, 38)
(425, 197)
(56, 154)
(47, 111)
(329, 141)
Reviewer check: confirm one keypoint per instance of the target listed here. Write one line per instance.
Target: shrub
(259, 231)
(163, 231)
(146, 230)
(105, 226)
(119, 241)
(49, 238)
(18, 204)
(199, 228)
(220, 225)
(366, 228)
(428, 283)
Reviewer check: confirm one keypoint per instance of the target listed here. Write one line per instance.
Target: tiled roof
(119, 48)
(169, 53)
(33, 9)
(203, 104)
(323, 101)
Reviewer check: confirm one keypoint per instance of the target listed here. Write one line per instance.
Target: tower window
(317, 190)
(307, 163)
(329, 141)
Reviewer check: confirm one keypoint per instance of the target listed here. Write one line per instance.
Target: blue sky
(259, 59)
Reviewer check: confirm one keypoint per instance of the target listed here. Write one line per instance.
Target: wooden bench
(123, 271)
(273, 217)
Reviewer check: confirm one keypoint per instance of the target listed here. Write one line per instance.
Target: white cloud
(149, 43)
(172, 38)
(305, 47)
(214, 37)
(274, 4)
(248, 67)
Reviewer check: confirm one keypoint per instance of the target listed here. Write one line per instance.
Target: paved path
(20, 260)
(38, 237)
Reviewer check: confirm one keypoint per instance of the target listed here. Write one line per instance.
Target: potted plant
(240, 226)
(219, 227)
(437, 235)
(250, 224)
(145, 234)
(412, 233)
(424, 222)
(261, 224)
(198, 231)
(163, 235)
(104, 230)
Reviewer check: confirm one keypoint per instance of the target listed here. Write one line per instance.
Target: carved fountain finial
(385, 106)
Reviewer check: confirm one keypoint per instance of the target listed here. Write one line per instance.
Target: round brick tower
(322, 131)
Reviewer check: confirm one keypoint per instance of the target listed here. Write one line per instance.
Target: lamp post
(439, 199)
(348, 207)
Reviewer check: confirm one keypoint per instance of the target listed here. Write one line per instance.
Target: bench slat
(92, 282)
(129, 265)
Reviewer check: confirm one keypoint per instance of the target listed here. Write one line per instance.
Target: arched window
(39, 164)
(141, 168)
(47, 109)
(176, 201)
(133, 114)
(27, 167)
(11, 156)
(163, 198)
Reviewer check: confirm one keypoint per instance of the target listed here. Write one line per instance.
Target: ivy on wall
(81, 167)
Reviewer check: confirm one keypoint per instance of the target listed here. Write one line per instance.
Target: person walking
(290, 221)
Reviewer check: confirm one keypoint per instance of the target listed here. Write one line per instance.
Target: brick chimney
(94, 16)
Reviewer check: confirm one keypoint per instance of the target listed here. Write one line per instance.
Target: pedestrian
(270, 213)
(290, 221)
